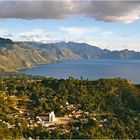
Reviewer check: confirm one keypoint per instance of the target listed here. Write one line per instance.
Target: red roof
(43, 114)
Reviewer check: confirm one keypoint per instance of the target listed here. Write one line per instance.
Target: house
(77, 114)
(45, 117)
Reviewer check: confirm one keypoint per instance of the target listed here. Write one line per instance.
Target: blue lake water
(89, 69)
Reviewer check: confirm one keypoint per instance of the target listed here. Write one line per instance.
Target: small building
(77, 114)
(45, 117)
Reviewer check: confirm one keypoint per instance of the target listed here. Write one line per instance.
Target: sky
(113, 25)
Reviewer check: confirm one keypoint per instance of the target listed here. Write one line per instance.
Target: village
(53, 109)
(49, 120)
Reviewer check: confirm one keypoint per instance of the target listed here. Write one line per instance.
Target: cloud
(36, 35)
(38, 9)
(108, 11)
(3, 32)
(125, 36)
(78, 30)
(106, 33)
(82, 32)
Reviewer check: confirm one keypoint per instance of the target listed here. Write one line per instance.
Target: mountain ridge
(21, 55)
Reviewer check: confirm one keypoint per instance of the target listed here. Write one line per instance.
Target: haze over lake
(89, 69)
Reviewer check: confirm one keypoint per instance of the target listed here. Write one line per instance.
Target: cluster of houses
(74, 112)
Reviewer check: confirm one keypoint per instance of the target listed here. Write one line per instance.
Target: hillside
(20, 55)
(102, 109)
(5, 42)
(15, 57)
(85, 51)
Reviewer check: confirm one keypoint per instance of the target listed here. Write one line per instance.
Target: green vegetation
(110, 108)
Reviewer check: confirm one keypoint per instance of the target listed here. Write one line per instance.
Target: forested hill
(110, 108)
(20, 55)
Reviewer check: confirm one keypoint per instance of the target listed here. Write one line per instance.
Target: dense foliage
(115, 103)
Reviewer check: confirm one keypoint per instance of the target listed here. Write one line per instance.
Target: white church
(45, 117)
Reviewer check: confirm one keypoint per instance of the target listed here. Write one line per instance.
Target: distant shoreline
(88, 69)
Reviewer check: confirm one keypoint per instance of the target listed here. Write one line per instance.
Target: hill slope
(20, 55)
(15, 57)
(106, 108)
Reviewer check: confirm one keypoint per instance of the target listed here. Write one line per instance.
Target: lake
(89, 69)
